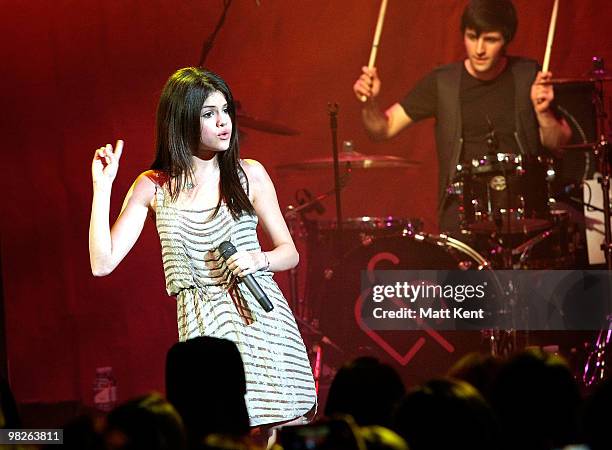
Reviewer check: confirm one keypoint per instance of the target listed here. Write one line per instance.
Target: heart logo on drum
(403, 357)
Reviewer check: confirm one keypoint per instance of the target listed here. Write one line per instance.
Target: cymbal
(578, 80)
(266, 126)
(354, 160)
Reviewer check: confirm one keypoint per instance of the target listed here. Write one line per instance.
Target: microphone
(227, 249)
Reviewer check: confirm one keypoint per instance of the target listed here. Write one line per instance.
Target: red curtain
(76, 75)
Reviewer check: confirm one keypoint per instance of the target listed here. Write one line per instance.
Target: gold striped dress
(280, 386)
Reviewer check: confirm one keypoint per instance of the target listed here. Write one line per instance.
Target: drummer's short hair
(490, 15)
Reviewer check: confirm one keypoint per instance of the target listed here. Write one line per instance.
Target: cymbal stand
(309, 325)
(603, 152)
(498, 216)
(294, 223)
(332, 109)
(294, 216)
(595, 366)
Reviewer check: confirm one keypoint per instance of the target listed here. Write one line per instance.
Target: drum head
(370, 223)
(341, 286)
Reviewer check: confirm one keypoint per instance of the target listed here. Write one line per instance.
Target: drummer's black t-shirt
(481, 102)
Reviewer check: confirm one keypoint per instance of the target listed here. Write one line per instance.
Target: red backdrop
(76, 75)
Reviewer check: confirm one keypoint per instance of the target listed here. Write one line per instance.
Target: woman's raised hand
(105, 164)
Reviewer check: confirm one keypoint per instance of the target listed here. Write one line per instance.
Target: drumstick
(551, 35)
(377, 33)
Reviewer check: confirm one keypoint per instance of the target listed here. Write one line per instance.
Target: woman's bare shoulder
(146, 184)
(255, 171)
(157, 177)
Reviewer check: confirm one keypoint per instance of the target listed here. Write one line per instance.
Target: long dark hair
(178, 137)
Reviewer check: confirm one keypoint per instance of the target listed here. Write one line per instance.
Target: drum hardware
(596, 77)
(317, 349)
(443, 240)
(266, 126)
(552, 248)
(596, 367)
(338, 284)
(585, 146)
(524, 249)
(351, 159)
(501, 343)
(295, 219)
(580, 80)
(602, 150)
(500, 191)
(405, 226)
(493, 192)
(597, 74)
(358, 232)
(332, 109)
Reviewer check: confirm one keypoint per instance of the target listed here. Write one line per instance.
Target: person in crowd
(365, 389)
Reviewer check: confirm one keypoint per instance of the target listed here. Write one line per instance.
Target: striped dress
(280, 386)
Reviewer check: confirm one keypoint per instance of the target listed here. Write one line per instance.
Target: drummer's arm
(384, 125)
(379, 125)
(554, 131)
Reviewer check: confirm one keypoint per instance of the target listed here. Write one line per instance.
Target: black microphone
(227, 249)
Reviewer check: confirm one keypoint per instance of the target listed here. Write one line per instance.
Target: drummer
(487, 91)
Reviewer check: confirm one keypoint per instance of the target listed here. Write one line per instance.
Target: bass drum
(324, 243)
(342, 284)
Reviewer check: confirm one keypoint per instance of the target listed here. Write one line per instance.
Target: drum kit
(508, 212)
(509, 219)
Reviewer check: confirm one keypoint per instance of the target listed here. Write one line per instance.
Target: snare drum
(503, 192)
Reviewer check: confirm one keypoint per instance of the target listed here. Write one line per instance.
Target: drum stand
(295, 220)
(602, 150)
(595, 366)
(332, 109)
(294, 215)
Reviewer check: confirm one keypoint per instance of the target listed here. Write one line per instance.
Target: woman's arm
(284, 255)
(108, 247)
